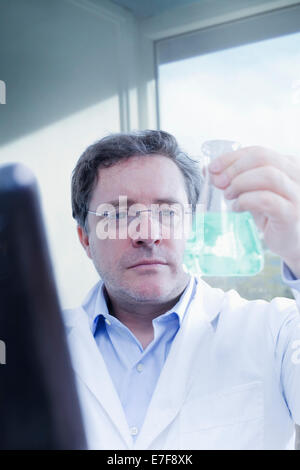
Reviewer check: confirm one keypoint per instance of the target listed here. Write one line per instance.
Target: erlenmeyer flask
(224, 242)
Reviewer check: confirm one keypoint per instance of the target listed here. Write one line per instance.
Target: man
(163, 360)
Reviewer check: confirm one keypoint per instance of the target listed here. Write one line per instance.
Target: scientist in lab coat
(163, 360)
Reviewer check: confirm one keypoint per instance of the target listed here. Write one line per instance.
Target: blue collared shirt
(134, 370)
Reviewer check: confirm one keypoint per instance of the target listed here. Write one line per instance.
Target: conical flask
(223, 242)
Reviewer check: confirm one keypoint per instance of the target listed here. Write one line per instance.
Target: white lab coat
(222, 386)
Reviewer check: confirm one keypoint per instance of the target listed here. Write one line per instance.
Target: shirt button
(139, 367)
(107, 321)
(134, 430)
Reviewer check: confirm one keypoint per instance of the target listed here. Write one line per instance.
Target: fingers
(260, 220)
(268, 204)
(240, 161)
(263, 178)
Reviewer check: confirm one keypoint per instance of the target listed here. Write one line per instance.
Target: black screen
(39, 407)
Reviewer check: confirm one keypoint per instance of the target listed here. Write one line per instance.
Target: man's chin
(148, 290)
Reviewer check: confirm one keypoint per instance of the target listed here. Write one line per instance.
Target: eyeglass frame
(163, 226)
(138, 213)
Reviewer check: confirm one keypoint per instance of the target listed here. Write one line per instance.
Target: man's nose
(147, 231)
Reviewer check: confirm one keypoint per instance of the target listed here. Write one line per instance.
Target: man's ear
(84, 240)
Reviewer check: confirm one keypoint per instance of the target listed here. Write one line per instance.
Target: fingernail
(228, 193)
(214, 166)
(221, 180)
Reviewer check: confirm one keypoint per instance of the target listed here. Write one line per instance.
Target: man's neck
(138, 316)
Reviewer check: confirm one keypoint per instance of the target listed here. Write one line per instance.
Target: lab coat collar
(95, 303)
(89, 364)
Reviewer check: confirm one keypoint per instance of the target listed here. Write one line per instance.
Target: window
(238, 81)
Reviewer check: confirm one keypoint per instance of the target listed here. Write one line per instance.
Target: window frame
(191, 19)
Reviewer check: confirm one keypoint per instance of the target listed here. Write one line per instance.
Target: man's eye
(120, 215)
(167, 213)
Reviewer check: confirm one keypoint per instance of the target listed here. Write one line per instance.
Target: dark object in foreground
(39, 407)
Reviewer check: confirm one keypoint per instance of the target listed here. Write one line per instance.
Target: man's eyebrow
(115, 202)
(167, 201)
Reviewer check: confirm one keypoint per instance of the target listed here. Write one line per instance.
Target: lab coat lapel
(90, 366)
(177, 372)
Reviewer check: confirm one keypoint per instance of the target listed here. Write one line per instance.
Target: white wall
(84, 106)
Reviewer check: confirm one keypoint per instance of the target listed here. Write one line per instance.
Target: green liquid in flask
(224, 244)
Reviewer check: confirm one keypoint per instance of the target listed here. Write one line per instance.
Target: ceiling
(147, 8)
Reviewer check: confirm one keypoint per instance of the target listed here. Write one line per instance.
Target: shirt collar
(96, 304)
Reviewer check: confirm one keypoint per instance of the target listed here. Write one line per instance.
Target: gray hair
(122, 146)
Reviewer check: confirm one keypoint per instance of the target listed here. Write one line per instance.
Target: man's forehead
(156, 163)
(141, 180)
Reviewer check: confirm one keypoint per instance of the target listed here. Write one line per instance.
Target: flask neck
(214, 148)
(214, 200)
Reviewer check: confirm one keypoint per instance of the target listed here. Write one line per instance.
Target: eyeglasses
(125, 217)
